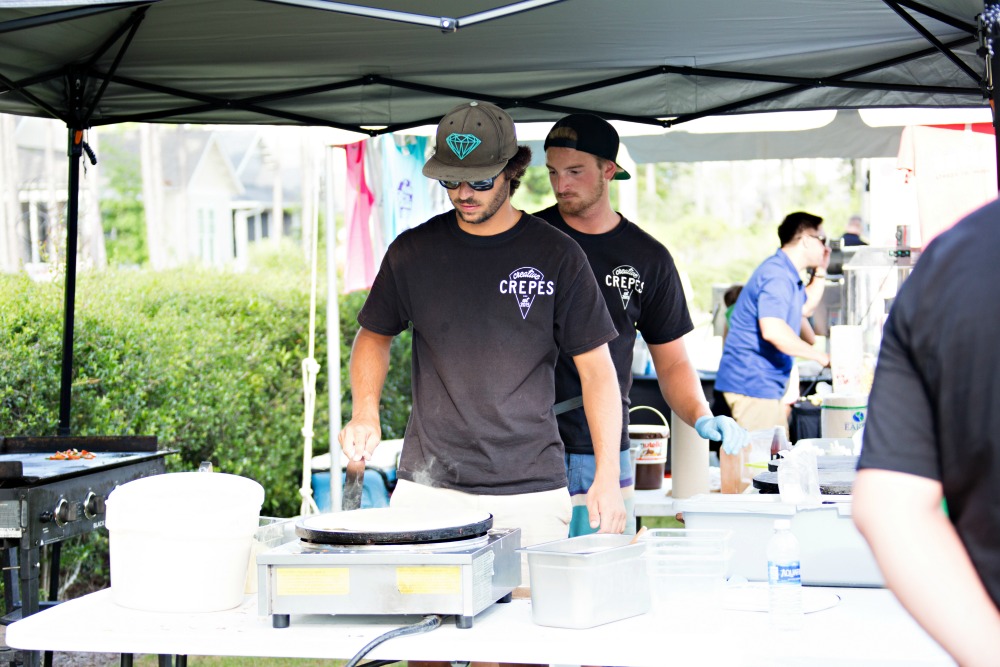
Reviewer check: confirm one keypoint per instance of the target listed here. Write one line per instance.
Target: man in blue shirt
(765, 328)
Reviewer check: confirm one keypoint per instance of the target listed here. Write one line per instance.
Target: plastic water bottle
(784, 578)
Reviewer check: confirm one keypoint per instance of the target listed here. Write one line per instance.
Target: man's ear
(610, 169)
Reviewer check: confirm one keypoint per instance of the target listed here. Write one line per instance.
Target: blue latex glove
(723, 429)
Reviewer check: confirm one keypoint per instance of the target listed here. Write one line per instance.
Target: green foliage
(711, 253)
(122, 212)
(679, 204)
(535, 192)
(209, 363)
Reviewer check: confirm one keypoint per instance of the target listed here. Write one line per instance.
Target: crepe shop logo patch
(626, 280)
(525, 284)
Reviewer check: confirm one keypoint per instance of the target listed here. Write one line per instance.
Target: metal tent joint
(446, 24)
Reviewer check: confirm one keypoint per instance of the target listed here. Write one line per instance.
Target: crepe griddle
(312, 529)
(823, 463)
(831, 482)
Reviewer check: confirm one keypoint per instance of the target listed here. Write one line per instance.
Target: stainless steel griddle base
(460, 578)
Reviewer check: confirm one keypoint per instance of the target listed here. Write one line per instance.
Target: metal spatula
(354, 482)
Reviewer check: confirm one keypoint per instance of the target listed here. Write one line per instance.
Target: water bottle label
(784, 573)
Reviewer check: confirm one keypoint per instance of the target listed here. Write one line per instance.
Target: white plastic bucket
(841, 415)
(180, 542)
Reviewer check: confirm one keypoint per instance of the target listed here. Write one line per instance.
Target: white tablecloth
(868, 627)
(657, 502)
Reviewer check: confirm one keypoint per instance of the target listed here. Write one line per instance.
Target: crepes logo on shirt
(525, 284)
(626, 279)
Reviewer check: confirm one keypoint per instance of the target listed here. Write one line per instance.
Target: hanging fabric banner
(406, 196)
(359, 264)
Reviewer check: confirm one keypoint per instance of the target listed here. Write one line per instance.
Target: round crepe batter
(392, 520)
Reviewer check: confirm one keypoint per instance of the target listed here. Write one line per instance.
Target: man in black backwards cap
(643, 291)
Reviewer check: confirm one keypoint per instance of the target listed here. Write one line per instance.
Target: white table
(868, 627)
(657, 502)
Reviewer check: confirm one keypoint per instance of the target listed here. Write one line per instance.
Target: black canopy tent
(395, 64)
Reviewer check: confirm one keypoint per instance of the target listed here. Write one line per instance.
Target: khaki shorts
(542, 516)
(755, 414)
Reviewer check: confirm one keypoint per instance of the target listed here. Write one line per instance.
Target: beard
(498, 195)
(581, 201)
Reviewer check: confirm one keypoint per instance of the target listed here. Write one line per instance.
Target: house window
(206, 235)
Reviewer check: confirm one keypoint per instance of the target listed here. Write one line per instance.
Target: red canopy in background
(954, 170)
(985, 128)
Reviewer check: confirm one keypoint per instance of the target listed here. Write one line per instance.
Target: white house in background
(208, 193)
(269, 179)
(33, 196)
(187, 194)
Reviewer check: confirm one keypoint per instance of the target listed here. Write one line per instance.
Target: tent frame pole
(75, 153)
(989, 32)
(77, 147)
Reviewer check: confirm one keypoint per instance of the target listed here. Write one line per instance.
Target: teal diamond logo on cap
(462, 144)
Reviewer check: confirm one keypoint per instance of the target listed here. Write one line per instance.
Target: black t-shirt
(934, 409)
(489, 316)
(642, 288)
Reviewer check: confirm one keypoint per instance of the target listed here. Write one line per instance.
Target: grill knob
(61, 513)
(93, 505)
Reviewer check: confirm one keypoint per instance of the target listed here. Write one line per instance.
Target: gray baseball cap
(475, 141)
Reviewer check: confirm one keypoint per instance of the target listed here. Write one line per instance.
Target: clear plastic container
(687, 569)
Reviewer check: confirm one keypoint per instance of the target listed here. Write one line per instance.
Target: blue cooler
(375, 492)
(380, 477)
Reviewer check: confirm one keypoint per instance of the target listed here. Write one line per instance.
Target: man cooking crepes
(492, 295)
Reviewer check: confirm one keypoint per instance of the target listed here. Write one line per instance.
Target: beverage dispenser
(872, 278)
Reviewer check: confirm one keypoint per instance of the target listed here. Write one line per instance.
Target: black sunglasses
(478, 186)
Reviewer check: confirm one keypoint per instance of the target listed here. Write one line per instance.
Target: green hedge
(208, 362)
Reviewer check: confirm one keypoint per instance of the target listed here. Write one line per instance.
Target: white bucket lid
(193, 501)
(851, 401)
(648, 430)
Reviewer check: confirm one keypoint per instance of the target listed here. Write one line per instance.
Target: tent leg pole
(333, 360)
(72, 214)
(989, 32)
(996, 138)
(996, 131)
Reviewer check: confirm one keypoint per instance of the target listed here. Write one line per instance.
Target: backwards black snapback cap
(590, 134)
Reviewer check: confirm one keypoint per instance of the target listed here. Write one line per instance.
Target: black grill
(44, 501)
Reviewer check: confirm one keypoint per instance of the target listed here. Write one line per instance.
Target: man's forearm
(369, 367)
(925, 563)
(602, 404)
(681, 389)
(778, 333)
(814, 294)
(678, 381)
